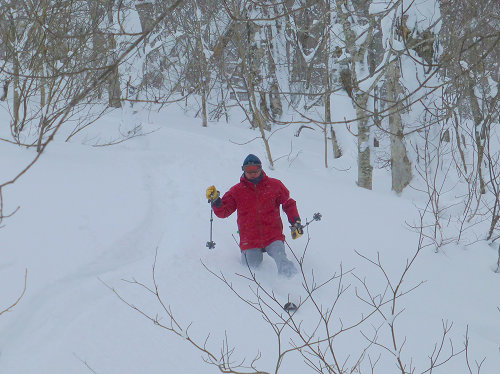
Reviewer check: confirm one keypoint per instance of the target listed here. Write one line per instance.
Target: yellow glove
(297, 229)
(212, 193)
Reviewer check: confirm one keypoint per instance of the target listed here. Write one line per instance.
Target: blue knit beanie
(251, 160)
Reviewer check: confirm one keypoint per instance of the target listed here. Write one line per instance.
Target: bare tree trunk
(337, 151)
(12, 56)
(145, 10)
(365, 169)
(328, 109)
(274, 96)
(478, 133)
(254, 57)
(349, 80)
(17, 96)
(204, 74)
(204, 117)
(250, 55)
(459, 142)
(325, 136)
(104, 46)
(114, 90)
(400, 164)
(266, 144)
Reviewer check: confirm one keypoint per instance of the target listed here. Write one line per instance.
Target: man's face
(252, 171)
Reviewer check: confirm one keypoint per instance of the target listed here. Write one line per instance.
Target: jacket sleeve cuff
(217, 202)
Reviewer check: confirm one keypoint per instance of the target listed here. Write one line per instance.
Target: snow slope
(93, 217)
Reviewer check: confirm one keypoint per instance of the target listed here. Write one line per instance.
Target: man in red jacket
(257, 199)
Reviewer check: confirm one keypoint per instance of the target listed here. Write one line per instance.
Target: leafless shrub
(318, 339)
(13, 305)
(433, 170)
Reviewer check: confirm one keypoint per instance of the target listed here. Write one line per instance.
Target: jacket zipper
(259, 214)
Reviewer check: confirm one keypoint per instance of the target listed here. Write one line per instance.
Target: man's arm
(289, 205)
(225, 206)
(291, 211)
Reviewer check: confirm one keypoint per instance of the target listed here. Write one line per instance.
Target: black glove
(217, 202)
(297, 229)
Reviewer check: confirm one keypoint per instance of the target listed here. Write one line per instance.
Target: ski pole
(316, 217)
(211, 243)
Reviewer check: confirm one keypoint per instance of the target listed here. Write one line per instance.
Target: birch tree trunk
(274, 95)
(254, 56)
(337, 152)
(349, 79)
(365, 168)
(400, 164)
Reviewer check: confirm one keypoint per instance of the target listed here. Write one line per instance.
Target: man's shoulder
(274, 181)
(237, 186)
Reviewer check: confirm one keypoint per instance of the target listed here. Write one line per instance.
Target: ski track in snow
(81, 286)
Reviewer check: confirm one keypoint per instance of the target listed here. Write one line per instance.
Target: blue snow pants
(253, 258)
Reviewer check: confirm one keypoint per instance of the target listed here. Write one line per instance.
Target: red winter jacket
(259, 220)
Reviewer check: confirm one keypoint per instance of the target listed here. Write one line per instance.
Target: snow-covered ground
(91, 218)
